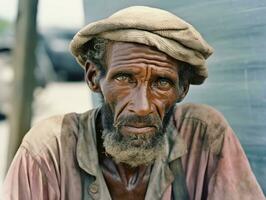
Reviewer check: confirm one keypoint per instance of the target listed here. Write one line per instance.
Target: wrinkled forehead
(127, 51)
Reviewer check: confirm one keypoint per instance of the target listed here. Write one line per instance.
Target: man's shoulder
(203, 122)
(52, 132)
(200, 112)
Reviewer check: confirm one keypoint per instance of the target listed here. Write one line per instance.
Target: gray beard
(134, 150)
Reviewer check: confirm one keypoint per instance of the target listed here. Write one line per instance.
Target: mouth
(137, 129)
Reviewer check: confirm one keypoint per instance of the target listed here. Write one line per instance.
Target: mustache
(131, 120)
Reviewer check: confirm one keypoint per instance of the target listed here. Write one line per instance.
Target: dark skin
(142, 81)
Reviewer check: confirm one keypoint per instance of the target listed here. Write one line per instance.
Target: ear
(183, 90)
(92, 76)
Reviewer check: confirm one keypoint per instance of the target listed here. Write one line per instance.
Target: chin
(134, 149)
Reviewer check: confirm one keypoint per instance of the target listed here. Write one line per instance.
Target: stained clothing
(203, 159)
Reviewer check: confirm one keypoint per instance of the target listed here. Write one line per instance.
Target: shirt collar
(175, 144)
(87, 154)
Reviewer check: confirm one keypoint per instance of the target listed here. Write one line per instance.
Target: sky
(51, 13)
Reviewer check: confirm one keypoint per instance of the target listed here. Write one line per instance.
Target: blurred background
(236, 85)
(58, 84)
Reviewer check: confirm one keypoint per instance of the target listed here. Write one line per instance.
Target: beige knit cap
(152, 27)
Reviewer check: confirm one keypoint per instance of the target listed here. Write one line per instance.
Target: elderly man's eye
(123, 77)
(163, 83)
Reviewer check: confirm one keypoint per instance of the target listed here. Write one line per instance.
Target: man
(139, 144)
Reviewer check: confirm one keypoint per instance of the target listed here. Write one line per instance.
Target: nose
(141, 104)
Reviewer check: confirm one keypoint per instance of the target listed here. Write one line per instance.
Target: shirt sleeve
(26, 180)
(233, 177)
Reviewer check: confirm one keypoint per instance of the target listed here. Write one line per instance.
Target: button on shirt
(203, 159)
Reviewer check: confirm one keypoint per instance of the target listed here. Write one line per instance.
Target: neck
(127, 174)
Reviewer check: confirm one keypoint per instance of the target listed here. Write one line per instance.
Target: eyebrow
(164, 72)
(122, 69)
(167, 73)
(128, 67)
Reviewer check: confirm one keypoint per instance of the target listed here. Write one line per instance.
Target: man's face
(140, 87)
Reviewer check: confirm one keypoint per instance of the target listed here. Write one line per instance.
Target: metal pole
(24, 81)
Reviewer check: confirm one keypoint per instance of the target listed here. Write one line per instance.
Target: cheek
(164, 101)
(107, 93)
(116, 96)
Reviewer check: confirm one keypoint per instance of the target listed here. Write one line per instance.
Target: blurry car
(56, 43)
(53, 62)
(44, 72)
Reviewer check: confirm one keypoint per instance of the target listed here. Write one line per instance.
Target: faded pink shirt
(203, 160)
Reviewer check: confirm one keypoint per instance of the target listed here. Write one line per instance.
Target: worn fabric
(203, 160)
(152, 27)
